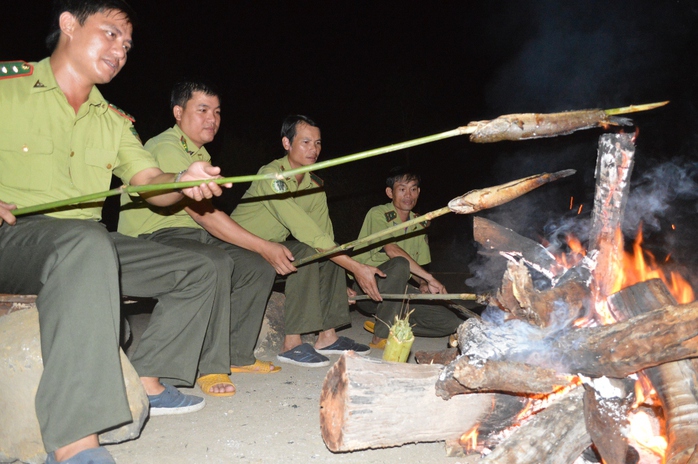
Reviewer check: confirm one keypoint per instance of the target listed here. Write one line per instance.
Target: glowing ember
(469, 439)
(645, 434)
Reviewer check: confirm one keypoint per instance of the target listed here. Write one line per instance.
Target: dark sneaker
(303, 355)
(89, 456)
(172, 401)
(345, 344)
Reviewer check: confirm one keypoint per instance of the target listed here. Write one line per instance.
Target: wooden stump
(369, 403)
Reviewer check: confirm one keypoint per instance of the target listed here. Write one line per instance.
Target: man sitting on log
(401, 258)
(245, 277)
(61, 139)
(316, 295)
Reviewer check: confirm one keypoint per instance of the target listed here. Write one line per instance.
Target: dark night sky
(374, 73)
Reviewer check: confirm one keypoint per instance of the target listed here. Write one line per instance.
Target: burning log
(436, 357)
(466, 376)
(675, 383)
(617, 350)
(368, 403)
(616, 156)
(554, 435)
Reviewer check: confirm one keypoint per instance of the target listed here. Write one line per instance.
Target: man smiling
(59, 138)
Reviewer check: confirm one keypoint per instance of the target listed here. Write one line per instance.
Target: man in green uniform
(316, 295)
(401, 257)
(201, 228)
(59, 138)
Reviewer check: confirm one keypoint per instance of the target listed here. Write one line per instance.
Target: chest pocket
(95, 173)
(26, 161)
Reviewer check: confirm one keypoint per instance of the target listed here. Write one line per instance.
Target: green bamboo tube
(423, 296)
(399, 342)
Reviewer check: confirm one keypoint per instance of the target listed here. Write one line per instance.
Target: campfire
(582, 357)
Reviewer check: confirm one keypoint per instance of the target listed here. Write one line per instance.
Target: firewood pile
(553, 374)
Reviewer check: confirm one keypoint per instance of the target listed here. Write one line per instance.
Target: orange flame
(644, 435)
(640, 265)
(469, 439)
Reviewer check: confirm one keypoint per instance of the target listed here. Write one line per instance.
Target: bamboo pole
(471, 202)
(423, 296)
(130, 189)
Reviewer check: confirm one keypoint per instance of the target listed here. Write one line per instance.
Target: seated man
(316, 295)
(401, 258)
(61, 139)
(245, 278)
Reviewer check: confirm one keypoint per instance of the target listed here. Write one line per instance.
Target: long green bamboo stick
(471, 202)
(130, 189)
(423, 296)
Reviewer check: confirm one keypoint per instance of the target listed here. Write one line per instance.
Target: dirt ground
(272, 418)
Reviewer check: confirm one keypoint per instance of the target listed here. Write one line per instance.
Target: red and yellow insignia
(121, 113)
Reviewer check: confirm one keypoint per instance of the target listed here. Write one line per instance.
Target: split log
(465, 376)
(495, 239)
(616, 350)
(553, 436)
(436, 357)
(675, 382)
(614, 164)
(369, 403)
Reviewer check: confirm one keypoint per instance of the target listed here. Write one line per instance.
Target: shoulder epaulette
(121, 113)
(316, 179)
(424, 224)
(390, 215)
(10, 69)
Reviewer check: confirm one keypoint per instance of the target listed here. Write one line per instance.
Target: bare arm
(427, 282)
(5, 214)
(198, 170)
(221, 226)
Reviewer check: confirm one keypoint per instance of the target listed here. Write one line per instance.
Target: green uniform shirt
(174, 152)
(49, 153)
(380, 218)
(275, 209)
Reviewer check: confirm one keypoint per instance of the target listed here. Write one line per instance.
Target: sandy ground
(272, 418)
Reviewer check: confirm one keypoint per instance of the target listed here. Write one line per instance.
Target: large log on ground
(675, 383)
(369, 403)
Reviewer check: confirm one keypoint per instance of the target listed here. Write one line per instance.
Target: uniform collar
(43, 80)
(286, 166)
(187, 144)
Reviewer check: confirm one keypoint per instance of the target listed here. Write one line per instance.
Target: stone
(21, 367)
(271, 336)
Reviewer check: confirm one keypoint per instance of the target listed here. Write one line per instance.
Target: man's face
(200, 118)
(98, 48)
(404, 195)
(306, 146)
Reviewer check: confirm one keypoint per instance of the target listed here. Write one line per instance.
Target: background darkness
(379, 72)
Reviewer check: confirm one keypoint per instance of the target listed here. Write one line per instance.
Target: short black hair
(402, 173)
(288, 127)
(83, 9)
(183, 90)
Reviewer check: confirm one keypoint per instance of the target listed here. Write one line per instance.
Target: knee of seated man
(400, 268)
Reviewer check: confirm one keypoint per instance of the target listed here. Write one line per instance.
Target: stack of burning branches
(559, 371)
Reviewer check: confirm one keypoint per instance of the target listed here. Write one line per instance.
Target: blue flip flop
(345, 344)
(303, 355)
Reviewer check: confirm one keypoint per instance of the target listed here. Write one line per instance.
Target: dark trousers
(429, 319)
(244, 284)
(76, 267)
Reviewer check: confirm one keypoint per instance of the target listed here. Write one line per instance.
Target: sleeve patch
(122, 113)
(10, 69)
(279, 186)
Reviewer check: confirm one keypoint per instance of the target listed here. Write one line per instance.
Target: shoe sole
(326, 352)
(301, 363)
(178, 410)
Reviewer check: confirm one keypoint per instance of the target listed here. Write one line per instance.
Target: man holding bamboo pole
(244, 287)
(59, 138)
(316, 295)
(401, 257)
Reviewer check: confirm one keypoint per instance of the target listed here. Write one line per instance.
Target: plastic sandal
(206, 382)
(259, 367)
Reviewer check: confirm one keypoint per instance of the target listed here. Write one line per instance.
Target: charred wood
(675, 382)
(436, 357)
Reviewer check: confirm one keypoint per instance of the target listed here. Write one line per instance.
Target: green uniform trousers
(75, 267)
(429, 320)
(243, 286)
(316, 295)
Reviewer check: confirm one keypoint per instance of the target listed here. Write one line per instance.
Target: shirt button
(108, 166)
(25, 149)
(72, 153)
